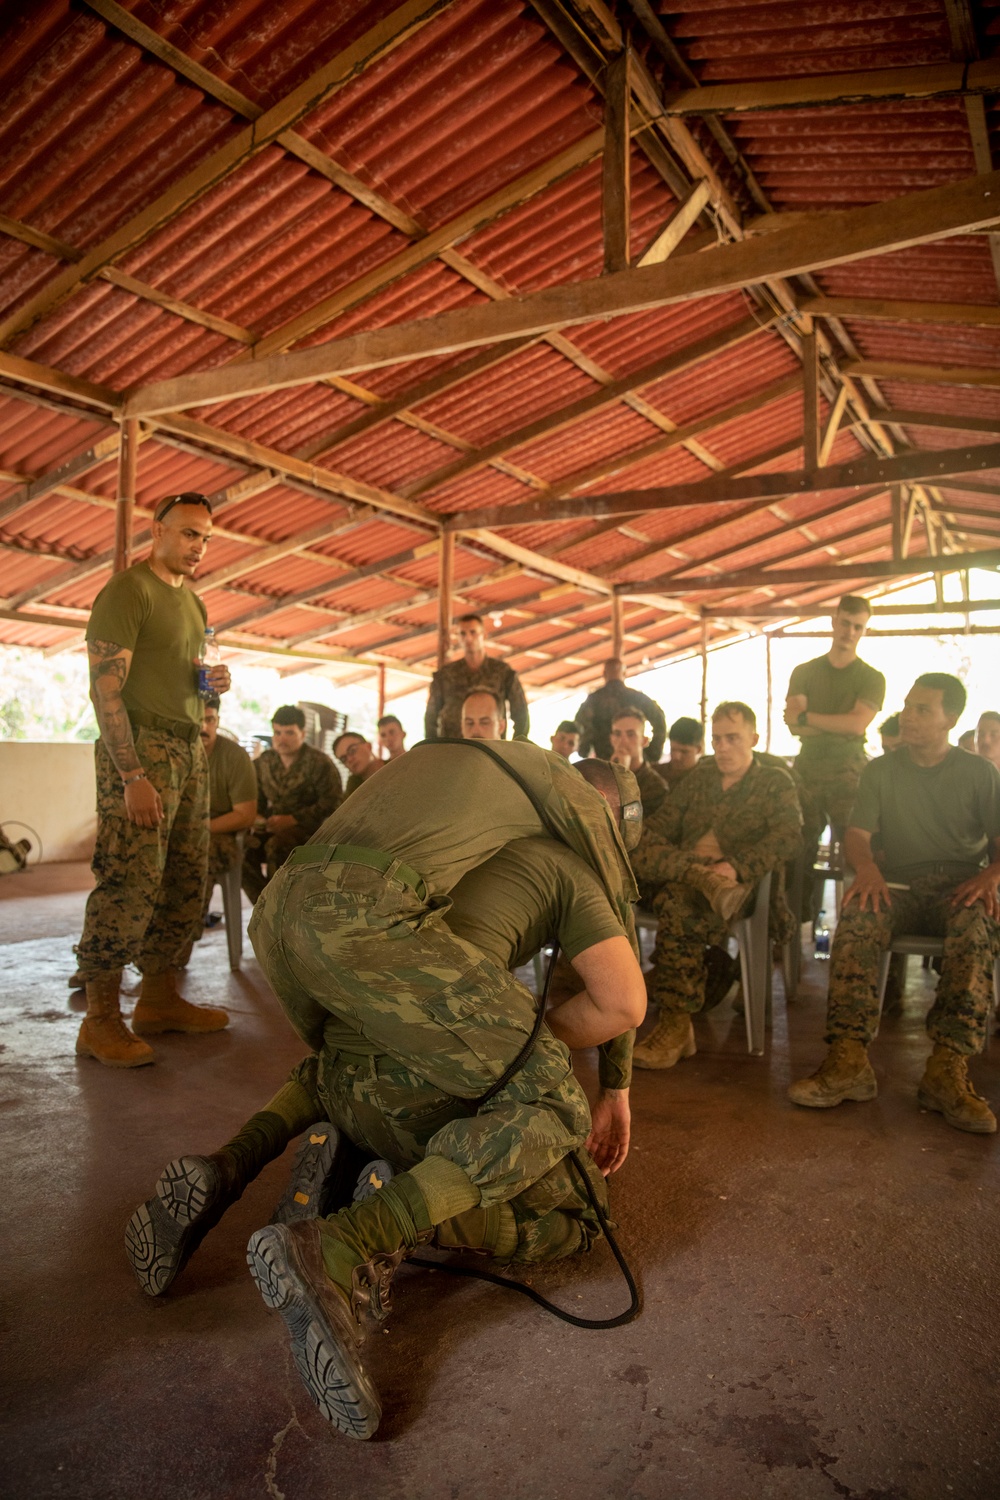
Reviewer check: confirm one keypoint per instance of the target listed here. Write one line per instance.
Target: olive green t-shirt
(442, 809)
(164, 628)
(231, 777)
(835, 690)
(530, 892)
(948, 812)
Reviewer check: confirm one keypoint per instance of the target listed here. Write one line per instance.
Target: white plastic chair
(928, 947)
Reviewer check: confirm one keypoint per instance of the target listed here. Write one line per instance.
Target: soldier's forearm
(116, 731)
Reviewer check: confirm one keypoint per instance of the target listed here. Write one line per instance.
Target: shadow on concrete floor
(819, 1287)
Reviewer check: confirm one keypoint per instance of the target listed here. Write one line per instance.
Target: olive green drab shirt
(308, 790)
(164, 628)
(835, 690)
(948, 812)
(445, 809)
(231, 777)
(757, 823)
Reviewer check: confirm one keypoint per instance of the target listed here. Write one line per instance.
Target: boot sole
(164, 1232)
(857, 1095)
(688, 1050)
(926, 1101)
(372, 1178)
(82, 1050)
(314, 1177)
(157, 1028)
(324, 1344)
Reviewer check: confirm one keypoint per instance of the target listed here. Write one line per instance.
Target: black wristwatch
(803, 719)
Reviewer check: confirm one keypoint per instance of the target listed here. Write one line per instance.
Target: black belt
(182, 728)
(354, 854)
(936, 867)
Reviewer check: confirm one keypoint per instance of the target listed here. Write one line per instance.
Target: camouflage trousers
(686, 926)
(413, 1025)
(827, 795)
(146, 907)
(264, 854)
(959, 1015)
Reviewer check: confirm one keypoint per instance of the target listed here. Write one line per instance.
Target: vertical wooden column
(616, 192)
(770, 688)
(704, 672)
(381, 691)
(617, 628)
(128, 446)
(897, 519)
(445, 581)
(810, 397)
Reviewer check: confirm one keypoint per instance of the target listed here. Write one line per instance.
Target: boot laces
(371, 1282)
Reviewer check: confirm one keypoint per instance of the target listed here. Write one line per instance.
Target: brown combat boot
(726, 898)
(160, 1008)
(945, 1087)
(845, 1073)
(104, 1034)
(670, 1039)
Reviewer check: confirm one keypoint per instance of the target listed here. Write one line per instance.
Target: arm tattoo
(108, 671)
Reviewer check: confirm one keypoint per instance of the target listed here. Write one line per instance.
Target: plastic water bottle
(211, 656)
(822, 949)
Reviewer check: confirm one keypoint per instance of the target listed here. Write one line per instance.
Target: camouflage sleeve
(657, 728)
(782, 838)
(585, 718)
(518, 704)
(614, 1061)
(324, 789)
(658, 857)
(652, 790)
(435, 703)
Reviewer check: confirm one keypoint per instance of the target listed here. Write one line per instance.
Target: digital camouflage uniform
(308, 790)
(597, 713)
(829, 765)
(451, 685)
(146, 906)
(934, 826)
(757, 823)
(414, 1023)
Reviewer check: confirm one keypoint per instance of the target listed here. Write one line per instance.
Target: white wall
(51, 788)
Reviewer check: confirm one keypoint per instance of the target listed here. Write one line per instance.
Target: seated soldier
(936, 812)
(888, 732)
(628, 740)
(297, 787)
(988, 737)
(483, 716)
(391, 737)
(566, 740)
(728, 823)
(357, 757)
(232, 785)
(687, 746)
(388, 942)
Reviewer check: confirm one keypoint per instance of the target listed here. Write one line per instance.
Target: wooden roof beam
(940, 419)
(898, 369)
(896, 310)
(929, 81)
(821, 241)
(778, 578)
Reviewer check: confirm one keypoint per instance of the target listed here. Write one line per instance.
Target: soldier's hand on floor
(982, 887)
(869, 889)
(611, 1120)
(142, 804)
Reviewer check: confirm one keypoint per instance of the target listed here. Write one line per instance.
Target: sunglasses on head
(189, 497)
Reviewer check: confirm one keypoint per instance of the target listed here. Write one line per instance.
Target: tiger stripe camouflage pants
(413, 1025)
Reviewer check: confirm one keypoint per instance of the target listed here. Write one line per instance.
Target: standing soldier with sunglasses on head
(144, 639)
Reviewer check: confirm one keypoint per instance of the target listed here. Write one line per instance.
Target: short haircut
(388, 719)
(212, 700)
(569, 726)
(736, 710)
(952, 690)
(187, 497)
(348, 734)
(854, 604)
(629, 712)
(602, 778)
(889, 725)
(469, 620)
(686, 731)
(990, 714)
(289, 714)
(486, 692)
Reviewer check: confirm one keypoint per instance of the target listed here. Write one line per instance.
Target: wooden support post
(832, 427)
(810, 398)
(897, 517)
(704, 672)
(616, 194)
(128, 449)
(381, 691)
(617, 630)
(445, 578)
(769, 689)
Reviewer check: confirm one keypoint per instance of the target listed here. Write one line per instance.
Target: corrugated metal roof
(94, 128)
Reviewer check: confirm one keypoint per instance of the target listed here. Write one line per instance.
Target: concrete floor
(819, 1288)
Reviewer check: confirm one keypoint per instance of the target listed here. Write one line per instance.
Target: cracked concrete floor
(819, 1287)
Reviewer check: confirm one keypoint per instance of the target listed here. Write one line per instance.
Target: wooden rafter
(779, 577)
(856, 233)
(930, 81)
(944, 420)
(899, 369)
(898, 310)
